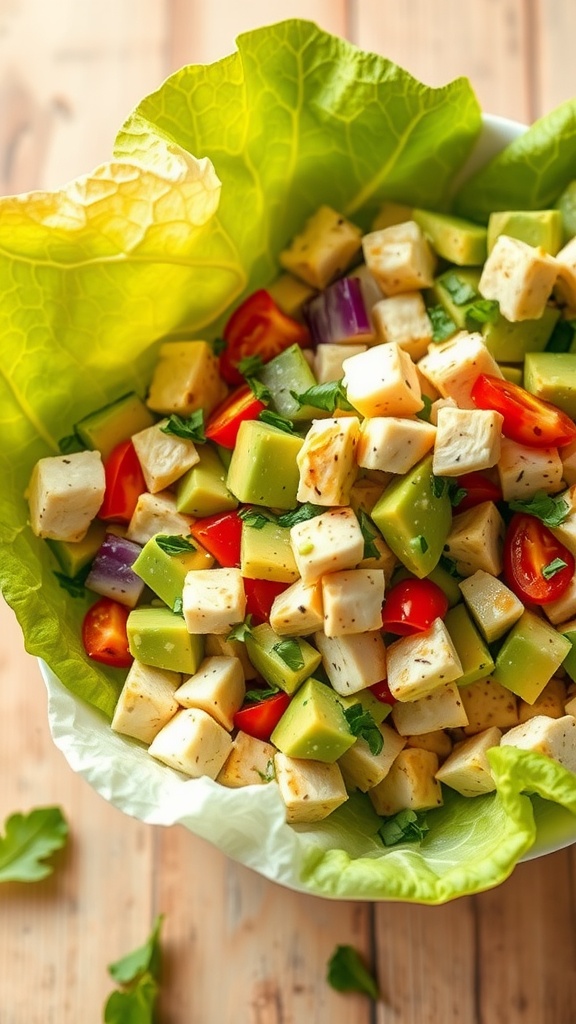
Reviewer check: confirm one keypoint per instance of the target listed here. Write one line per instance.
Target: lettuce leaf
(210, 177)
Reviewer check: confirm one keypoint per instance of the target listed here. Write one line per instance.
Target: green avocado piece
(203, 491)
(263, 469)
(283, 663)
(266, 553)
(552, 376)
(510, 342)
(313, 725)
(455, 239)
(535, 227)
(158, 637)
(529, 656)
(456, 290)
(104, 429)
(377, 708)
(414, 515)
(515, 374)
(165, 573)
(474, 655)
(73, 556)
(290, 371)
(566, 204)
(569, 663)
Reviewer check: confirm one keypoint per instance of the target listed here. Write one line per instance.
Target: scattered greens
(553, 567)
(348, 973)
(258, 389)
(484, 311)
(274, 419)
(404, 827)
(174, 545)
(264, 693)
(329, 396)
(370, 534)
(300, 514)
(252, 517)
(461, 292)
(28, 840)
(73, 585)
(137, 975)
(250, 366)
(362, 724)
(443, 326)
(189, 427)
(551, 510)
(241, 631)
(290, 653)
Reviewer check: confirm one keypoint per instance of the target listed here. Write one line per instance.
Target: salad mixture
(335, 547)
(115, 290)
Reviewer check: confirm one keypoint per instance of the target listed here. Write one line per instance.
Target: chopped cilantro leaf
(258, 389)
(405, 827)
(329, 396)
(241, 630)
(254, 518)
(290, 653)
(250, 366)
(348, 973)
(552, 511)
(459, 291)
(264, 693)
(485, 311)
(274, 419)
(370, 534)
(73, 585)
(174, 545)
(443, 326)
(300, 514)
(191, 428)
(424, 413)
(218, 346)
(362, 724)
(553, 567)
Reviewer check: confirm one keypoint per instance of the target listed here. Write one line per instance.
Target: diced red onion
(338, 313)
(111, 574)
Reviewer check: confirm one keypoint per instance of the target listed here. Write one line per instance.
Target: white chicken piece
(554, 737)
(393, 444)
(467, 769)
(453, 367)
(323, 249)
(400, 258)
(383, 382)
(249, 763)
(352, 601)
(523, 470)
(466, 440)
(403, 319)
(157, 513)
(217, 687)
(476, 540)
(492, 605)
(440, 709)
(363, 769)
(352, 662)
(328, 360)
(327, 461)
(419, 663)
(163, 457)
(192, 742)
(520, 277)
(64, 495)
(327, 543)
(410, 784)
(298, 610)
(213, 600)
(146, 702)
(311, 790)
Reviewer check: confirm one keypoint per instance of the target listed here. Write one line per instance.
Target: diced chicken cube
(438, 741)
(249, 763)
(298, 610)
(488, 703)
(419, 663)
(327, 543)
(393, 444)
(551, 702)
(400, 258)
(217, 687)
(186, 378)
(217, 644)
(327, 461)
(410, 784)
(563, 607)
(466, 440)
(311, 790)
(523, 470)
(192, 742)
(163, 457)
(352, 601)
(363, 769)
(554, 737)
(520, 277)
(383, 382)
(475, 540)
(565, 287)
(64, 495)
(442, 708)
(146, 702)
(157, 513)
(467, 769)
(365, 493)
(213, 600)
(328, 360)
(324, 248)
(493, 606)
(452, 368)
(403, 319)
(352, 662)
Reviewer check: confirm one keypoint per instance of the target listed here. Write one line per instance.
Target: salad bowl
(187, 218)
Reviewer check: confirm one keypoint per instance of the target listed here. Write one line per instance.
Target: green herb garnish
(241, 630)
(443, 326)
(423, 543)
(257, 696)
(218, 346)
(191, 428)
(362, 724)
(174, 545)
(370, 534)
(405, 827)
(348, 973)
(424, 413)
(178, 607)
(137, 974)
(300, 514)
(553, 567)
(254, 518)
(461, 292)
(552, 511)
(258, 389)
(329, 396)
(485, 311)
(274, 419)
(249, 366)
(290, 653)
(28, 840)
(73, 585)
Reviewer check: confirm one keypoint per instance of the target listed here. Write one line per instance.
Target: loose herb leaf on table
(28, 840)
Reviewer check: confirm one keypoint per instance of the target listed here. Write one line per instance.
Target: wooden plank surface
(237, 948)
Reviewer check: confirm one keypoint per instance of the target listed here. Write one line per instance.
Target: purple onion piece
(339, 313)
(111, 574)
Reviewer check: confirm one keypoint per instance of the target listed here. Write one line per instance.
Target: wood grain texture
(239, 950)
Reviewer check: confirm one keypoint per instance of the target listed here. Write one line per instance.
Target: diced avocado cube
(313, 725)
(515, 374)
(73, 556)
(158, 637)
(107, 427)
(510, 341)
(535, 227)
(263, 469)
(529, 656)
(266, 553)
(186, 378)
(552, 376)
(569, 631)
(203, 491)
(474, 655)
(414, 515)
(566, 204)
(456, 289)
(164, 572)
(289, 371)
(456, 239)
(290, 294)
(283, 663)
(377, 708)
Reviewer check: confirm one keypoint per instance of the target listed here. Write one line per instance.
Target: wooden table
(237, 948)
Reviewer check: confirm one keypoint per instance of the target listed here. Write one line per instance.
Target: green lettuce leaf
(530, 174)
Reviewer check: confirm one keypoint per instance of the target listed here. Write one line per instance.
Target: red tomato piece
(529, 548)
(412, 605)
(260, 720)
(479, 488)
(224, 423)
(124, 484)
(258, 327)
(260, 596)
(221, 535)
(382, 692)
(104, 633)
(527, 419)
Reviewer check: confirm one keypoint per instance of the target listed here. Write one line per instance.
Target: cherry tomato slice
(412, 605)
(479, 488)
(124, 484)
(258, 327)
(224, 423)
(527, 419)
(260, 596)
(260, 720)
(104, 633)
(221, 535)
(382, 692)
(529, 548)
